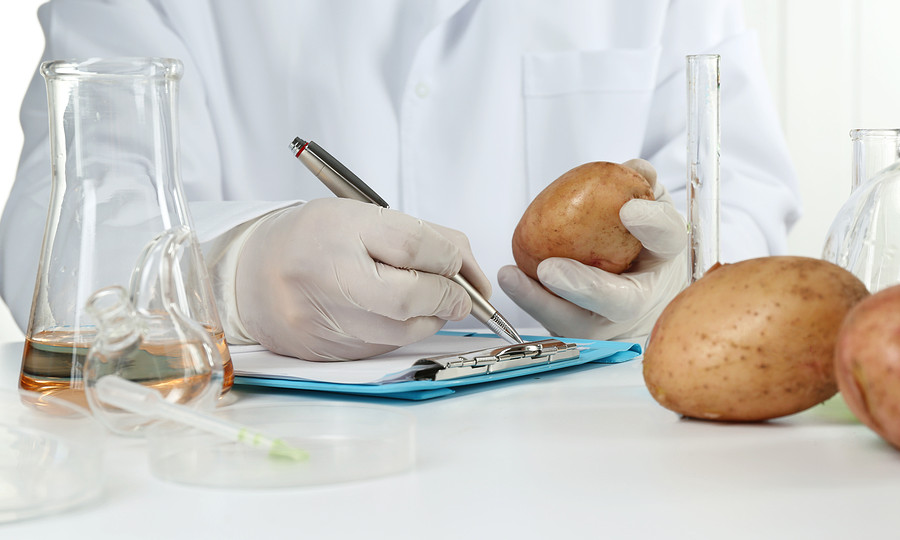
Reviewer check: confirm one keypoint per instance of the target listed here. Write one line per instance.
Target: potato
(867, 362)
(751, 340)
(577, 216)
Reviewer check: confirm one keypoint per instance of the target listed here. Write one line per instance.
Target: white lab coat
(455, 111)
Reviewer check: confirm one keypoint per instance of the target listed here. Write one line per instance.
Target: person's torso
(457, 112)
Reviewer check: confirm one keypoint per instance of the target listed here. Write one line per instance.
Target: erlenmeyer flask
(864, 237)
(146, 336)
(115, 186)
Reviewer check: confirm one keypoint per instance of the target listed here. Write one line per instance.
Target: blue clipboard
(591, 352)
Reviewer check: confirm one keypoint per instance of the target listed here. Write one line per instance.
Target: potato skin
(577, 216)
(867, 362)
(752, 340)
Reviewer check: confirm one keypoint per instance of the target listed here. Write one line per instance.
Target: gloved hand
(591, 303)
(336, 279)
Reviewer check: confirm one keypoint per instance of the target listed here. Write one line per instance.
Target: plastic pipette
(145, 401)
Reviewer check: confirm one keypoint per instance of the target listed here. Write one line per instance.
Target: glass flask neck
(116, 319)
(114, 127)
(114, 68)
(873, 151)
(151, 338)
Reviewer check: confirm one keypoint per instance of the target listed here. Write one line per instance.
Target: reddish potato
(752, 340)
(577, 216)
(867, 362)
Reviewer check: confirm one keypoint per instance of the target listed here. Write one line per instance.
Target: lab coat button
(422, 90)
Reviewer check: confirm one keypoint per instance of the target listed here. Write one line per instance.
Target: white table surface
(578, 454)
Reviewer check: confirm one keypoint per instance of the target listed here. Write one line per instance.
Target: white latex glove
(591, 303)
(336, 279)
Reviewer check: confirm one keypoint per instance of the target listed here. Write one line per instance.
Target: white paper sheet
(255, 361)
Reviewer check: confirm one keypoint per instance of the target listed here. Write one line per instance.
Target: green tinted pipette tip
(282, 450)
(278, 448)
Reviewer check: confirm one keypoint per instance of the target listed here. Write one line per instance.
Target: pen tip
(502, 328)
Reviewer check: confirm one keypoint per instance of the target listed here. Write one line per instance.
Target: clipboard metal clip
(483, 361)
(513, 352)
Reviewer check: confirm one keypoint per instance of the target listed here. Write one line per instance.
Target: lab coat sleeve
(82, 29)
(758, 191)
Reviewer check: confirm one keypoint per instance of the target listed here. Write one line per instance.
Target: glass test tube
(702, 163)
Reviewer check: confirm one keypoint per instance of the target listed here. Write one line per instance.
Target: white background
(831, 65)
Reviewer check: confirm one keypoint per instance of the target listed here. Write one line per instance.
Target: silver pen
(343, 183)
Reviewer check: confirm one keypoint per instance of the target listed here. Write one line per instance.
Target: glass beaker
(115, 186)
(863, 238)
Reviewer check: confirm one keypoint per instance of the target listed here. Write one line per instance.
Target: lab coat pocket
(585, 106)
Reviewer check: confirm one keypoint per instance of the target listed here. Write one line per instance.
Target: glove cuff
(222, 254)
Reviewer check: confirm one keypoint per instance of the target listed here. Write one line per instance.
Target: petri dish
(51, 453)
(344, 443)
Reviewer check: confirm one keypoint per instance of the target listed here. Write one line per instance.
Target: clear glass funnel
(864, 237)
(115, 187)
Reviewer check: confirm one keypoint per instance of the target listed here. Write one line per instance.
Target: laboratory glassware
(145, 336)
(873, 150)
(702, 163)
(344, 442)
(864, 237)
(49, 463)
(115, 186)
(145, 402)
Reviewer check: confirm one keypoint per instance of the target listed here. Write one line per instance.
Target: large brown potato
(577, 216)
(867, 362)
(752, 340)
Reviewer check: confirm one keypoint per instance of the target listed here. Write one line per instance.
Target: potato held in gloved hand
(581, 289)
(577, 216)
